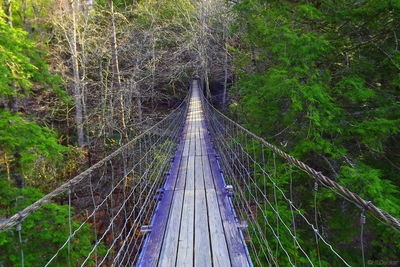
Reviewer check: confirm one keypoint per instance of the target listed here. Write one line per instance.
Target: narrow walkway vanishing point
(195, 223)
(138, 207)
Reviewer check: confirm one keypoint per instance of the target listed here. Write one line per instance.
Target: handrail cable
(324, 180)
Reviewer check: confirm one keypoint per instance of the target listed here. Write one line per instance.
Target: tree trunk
(225, 76)
(208, 92)
(138, 104)
(115, 67)
(76, 78)
(13, 102)
(19, 179)
(204, 44)
(153, 68)
(8, 11)
(24, 17)
(83, 67)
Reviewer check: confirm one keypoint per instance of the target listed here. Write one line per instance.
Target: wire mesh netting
(291, 219)
(102, 209)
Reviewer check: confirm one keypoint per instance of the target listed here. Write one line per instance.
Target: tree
(47, 226)
(8, 12)
(22, 69)
(76, 75)
(322, 78)
(116, 77)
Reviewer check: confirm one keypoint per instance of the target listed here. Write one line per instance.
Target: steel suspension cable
(120, 189)
(324, 180)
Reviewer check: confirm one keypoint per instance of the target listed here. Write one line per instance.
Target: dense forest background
(319, 78)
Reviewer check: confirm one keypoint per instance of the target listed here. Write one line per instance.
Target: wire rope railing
(101, 212)
(107, 204)
(288, 226)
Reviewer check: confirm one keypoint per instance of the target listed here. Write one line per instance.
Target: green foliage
(368, 182)
(18, 135)
(24, 146)
(23, 72)
(43, 232)
(22, 68)
(322, 77)
(26, 14)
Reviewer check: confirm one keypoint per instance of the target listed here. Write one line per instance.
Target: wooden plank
(189, 183)
(202, 252)
(192, 136)
(186, 145)
(237, 249)
(236, 246)
(151, 253)
(203, 140)
(187, 135)
(219, 248)
(208, 178)
(198, 171)
(185, 244)
(176, 168)
(198, 143)
(181, 180)
(170, 243)
(186, 239)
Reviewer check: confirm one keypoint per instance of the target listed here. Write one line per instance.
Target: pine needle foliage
(322, 78)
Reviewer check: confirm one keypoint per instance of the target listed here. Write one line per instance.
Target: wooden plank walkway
(194, 224)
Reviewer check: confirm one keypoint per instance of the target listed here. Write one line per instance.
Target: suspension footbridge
(197, 189)
(195, 222)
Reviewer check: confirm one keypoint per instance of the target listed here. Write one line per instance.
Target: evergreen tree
(322, 77)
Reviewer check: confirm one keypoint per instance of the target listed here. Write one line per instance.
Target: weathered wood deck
(194, 224)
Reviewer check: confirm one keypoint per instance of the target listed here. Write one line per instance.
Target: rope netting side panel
(291, 218)
(106, 205)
